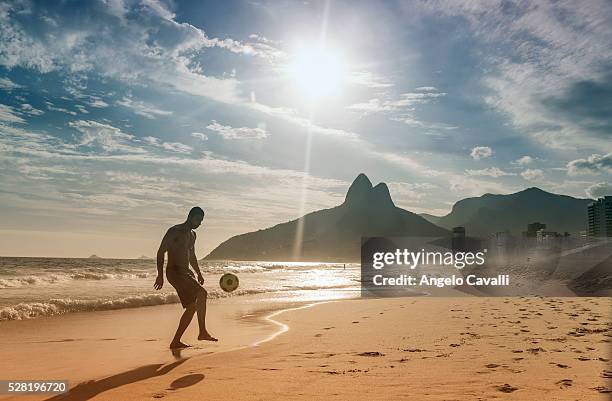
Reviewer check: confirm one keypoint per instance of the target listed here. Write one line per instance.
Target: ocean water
(35, 287)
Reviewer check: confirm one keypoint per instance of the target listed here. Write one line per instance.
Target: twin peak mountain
(331, 234)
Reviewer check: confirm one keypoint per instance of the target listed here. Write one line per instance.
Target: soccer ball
(229, 282)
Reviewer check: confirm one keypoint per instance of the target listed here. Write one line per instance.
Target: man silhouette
(179, 242)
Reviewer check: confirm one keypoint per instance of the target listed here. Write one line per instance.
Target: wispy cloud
(104, 137)
(31, 110)
(170, 146)
(52, 107)
(228, 132)
(489, 172)
(8, 85)
(404, 102)
(369, 80)
(9, 114)
(142, 108)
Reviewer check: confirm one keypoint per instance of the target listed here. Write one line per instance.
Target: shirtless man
(179, 242)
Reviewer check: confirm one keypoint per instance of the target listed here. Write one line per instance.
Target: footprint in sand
(371, 354)
(565, 383)
(355, 322)
(536, 351)
(159, 395)
(602, 389)
(328, 328)
(606, 374)
(492, 366)
(506, 388)
(318, 335)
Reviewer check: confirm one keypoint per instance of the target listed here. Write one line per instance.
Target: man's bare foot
(178, 344)
(206, 337)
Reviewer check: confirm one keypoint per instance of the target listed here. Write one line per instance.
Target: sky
(118, 116)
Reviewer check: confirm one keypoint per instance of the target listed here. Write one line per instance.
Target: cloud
(467, 186)
(599, 190)
(524, 160)
(142, 109)
(170, 146)
(489, 172)
(229, 132)
(368, 79)
(481, 152)
(104, 137)
(81, 109)
(422, 124)
(405, 102)
(201, 136)
(8, 85)
(532, 174)
(401, 109)
(177, 147)
(97, 102)
(52, 107)
(9, 114)
(410, 191)
(542, 57)
(594, 164)
(28, 108)
(135, 43)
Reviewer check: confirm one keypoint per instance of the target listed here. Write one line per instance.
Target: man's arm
(193, 261)
(161, 253)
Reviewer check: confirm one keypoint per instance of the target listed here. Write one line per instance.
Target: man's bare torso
(180, 244)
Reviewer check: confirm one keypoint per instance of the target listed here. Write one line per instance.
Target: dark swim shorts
(185, 284)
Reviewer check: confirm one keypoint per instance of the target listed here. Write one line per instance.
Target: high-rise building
(600, 217)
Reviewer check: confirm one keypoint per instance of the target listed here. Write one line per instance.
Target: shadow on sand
(89, 389)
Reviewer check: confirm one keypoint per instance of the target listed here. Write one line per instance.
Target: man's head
(195, 217)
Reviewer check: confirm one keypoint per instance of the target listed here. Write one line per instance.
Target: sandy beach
(463, 348)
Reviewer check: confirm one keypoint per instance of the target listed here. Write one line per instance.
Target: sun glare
(317, 72)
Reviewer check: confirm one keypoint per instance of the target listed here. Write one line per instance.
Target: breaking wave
(29, 310)
(15, 282)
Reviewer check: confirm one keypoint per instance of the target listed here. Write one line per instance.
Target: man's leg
(183, 324)
(201, 309)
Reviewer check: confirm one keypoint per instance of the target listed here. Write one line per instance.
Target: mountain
(431, 218)
(487, 214)
(331, 234)
(94, 257)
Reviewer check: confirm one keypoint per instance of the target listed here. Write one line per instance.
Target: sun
(317, 72)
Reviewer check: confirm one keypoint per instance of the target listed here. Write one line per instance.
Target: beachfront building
(600, 217)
